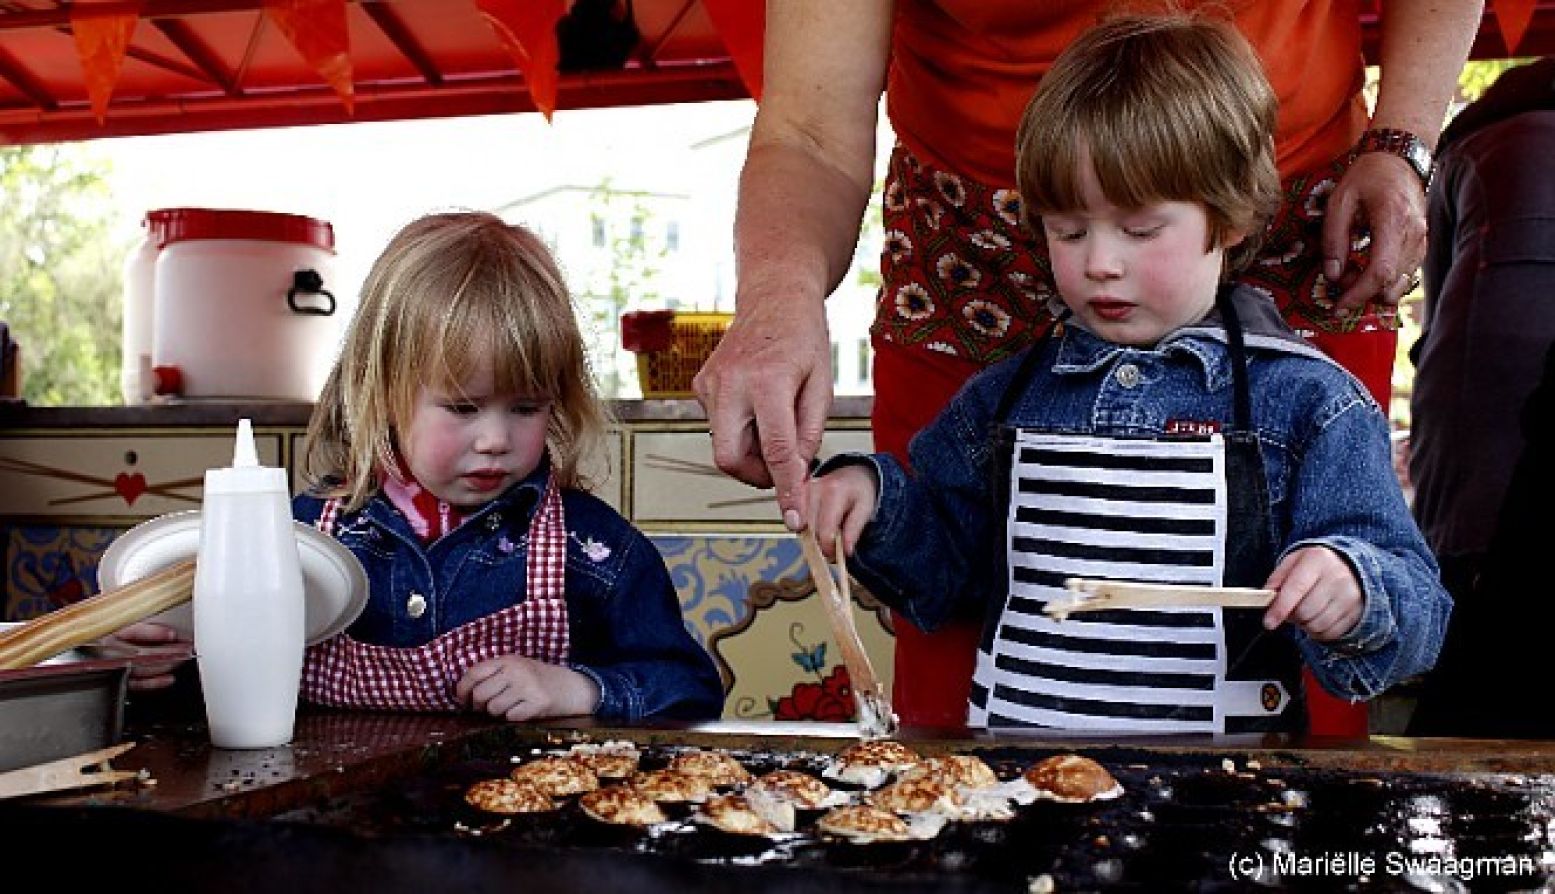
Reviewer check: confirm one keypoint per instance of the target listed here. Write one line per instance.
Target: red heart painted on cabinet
(129, 486)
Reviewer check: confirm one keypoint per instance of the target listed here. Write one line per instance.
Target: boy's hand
(517, 688)
(152, 639)
(1317, 592)
(842, 501)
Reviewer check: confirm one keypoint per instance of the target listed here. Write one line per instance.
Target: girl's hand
(1317, 592)
(517, 688)
(842, 501)
(153, 639)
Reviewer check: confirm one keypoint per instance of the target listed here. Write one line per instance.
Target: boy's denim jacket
(936, 545)
(623, 614)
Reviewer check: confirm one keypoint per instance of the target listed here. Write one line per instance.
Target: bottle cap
(246, 475)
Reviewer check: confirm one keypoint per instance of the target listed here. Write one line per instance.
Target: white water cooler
(242, 304)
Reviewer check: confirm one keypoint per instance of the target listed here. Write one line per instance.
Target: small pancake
(507, 797)
(557, 776)
(885, 754)
(918, 796)
(672, 786)
(1070, 777)
(966, 770)
(863, 824)
(734, 814)
(801, 789)
(717, 768)
(612, 760)
(621, 806)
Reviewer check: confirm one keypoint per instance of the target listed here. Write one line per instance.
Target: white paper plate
(334, 581)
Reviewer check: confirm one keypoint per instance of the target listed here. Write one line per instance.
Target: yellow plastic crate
(667, 373)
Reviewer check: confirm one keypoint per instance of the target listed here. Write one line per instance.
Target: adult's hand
(767, 390)
(1383, 194)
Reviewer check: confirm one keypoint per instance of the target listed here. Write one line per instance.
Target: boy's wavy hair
(1171, 106)
(449, 290)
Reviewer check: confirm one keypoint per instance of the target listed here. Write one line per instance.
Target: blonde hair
(448, 291)
(1170, 107)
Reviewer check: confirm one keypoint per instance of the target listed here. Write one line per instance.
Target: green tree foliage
(630, 280)
(60, 273)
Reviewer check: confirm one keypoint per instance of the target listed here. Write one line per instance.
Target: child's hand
(517, 688)
(153, 639)
(1317, 592)
(843, 501)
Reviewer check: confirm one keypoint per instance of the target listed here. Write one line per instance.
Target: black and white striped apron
(1184, 511)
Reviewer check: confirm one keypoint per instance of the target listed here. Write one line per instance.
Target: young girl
(1171, 430)
(444, 453)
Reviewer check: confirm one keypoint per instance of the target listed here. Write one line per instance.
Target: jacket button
(494, 521)
(1128, 375)
(416, 605)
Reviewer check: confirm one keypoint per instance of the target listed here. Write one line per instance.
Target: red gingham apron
(343, 672)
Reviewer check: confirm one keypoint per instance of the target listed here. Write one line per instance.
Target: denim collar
(517, 502)
(1081, 351)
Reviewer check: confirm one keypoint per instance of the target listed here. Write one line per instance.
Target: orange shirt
(962, 72)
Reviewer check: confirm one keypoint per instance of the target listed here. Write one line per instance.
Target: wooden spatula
(66, 773)
(875, 720)
(1095, 595)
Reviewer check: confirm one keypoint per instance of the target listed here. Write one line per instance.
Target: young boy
(1170, 429)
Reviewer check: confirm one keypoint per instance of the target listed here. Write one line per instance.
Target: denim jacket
(624, 618)
(935, 547)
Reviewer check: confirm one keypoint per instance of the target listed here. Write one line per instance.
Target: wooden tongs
(66, 773)
(81, 622)
(875, 720)
(1096, 595)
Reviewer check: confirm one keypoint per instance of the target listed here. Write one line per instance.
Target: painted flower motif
(829, 699)
(950, 188)
(893, 198)
(1317, 199)
(957, 272)
(933, 211)
(1006, 203)
(897, 245)
(988, 240)
(505, 545)
(1291, 254)
(913, 302)
(1018, 279)
(989, 319)
(943, 347)
(595, 551)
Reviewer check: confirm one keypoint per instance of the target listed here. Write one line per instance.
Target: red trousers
(933, 672)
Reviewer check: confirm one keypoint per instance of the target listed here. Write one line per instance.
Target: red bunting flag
(317, 29)
(527, 29)
(102, 32)
(741, 24)
(1513, 16)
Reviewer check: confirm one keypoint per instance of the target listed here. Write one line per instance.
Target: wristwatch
(1403, 144)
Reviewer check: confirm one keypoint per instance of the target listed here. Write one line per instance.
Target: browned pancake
(1070, 777)
(506, 796)
(716, 767)
(621, 806)
(882, 753)
(557, 776)
(802, 789)
(672, 786)
(964, 770)
(863, 824)
(735, 815)
(608, 761)
(917, 796)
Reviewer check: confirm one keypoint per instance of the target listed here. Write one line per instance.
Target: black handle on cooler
(309, 282)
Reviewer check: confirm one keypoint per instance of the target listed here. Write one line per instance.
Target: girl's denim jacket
(936, 545)
(624, 618)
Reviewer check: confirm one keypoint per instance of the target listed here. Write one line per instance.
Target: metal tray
(58, 710)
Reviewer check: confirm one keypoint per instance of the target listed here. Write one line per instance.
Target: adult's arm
(1424, 46)
(808, 173)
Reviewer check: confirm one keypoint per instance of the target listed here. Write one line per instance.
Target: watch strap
(1401, 143)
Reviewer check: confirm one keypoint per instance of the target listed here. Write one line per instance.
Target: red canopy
(98, 68)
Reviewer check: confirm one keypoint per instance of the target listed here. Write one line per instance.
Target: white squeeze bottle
(248, 602)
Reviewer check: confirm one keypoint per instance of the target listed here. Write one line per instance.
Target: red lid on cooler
(168, 225)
